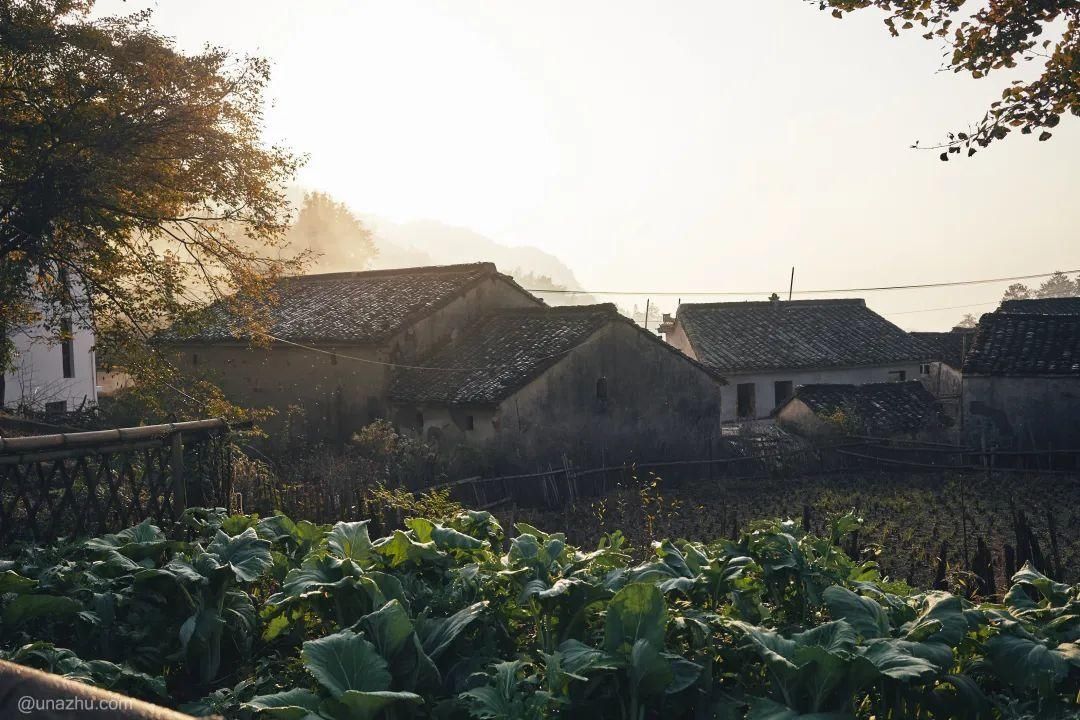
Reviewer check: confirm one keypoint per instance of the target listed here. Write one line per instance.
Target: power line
(951, 307)
(688, 293)
(401, 366)
(485, 368)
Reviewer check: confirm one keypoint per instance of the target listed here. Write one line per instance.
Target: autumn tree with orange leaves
(998, 35)
(134, 181)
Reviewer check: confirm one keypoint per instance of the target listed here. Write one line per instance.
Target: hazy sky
(661, 145)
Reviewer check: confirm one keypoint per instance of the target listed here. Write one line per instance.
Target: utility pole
(791, 285)
(647, 300)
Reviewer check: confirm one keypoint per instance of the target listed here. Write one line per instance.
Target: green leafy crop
(270, 618)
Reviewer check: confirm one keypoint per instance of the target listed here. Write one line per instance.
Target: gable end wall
(658, 405)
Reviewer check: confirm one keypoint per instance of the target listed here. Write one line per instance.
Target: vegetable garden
(916, 524)
(450, 618)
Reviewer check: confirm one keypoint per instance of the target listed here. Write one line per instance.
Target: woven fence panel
(94, 490)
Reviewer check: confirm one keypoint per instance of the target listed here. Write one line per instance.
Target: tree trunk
(4, 350)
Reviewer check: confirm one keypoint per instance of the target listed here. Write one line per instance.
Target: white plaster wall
(38, 373)
(943, 380)
(764, 389)
(677, 338)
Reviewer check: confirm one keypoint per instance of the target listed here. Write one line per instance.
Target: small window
(67, 349)
(194, 359)
(924, 369)
(470, 423)
(601, 388)
(60, 406)
(897, 375)
(420, 420)
(782, 391)
(745, 400)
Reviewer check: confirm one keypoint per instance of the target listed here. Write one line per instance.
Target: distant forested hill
(428, 242)
(344, 240)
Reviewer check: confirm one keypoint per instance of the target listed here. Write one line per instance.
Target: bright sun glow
(658, 146)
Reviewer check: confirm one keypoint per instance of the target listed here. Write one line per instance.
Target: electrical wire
(401, 366)
(539, 359)
(919, 286)
(950, 307)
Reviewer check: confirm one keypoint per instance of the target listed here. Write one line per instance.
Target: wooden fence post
(53, 696)
(176, 467)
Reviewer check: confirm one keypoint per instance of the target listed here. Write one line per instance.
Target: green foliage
(845, 421)
(254, 618)
(912, 520)
(391, 506)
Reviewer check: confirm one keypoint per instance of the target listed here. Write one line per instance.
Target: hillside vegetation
(272, 618)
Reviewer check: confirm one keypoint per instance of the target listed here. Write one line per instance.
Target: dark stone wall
(1019, 411)
(622, 396)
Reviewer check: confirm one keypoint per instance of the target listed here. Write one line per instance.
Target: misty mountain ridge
(343, 240)
(430, 242)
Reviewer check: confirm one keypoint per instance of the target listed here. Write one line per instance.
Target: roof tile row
(748, 336)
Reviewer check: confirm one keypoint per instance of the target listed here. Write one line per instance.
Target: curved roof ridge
(389, 272)
(608, 308)
(827, 333)
(770, 303)
(353, 307)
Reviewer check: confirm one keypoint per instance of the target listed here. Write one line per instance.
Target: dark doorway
(744, 396)
(782, 390)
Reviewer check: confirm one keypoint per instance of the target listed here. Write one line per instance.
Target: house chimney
(775, 300)
(668, 325)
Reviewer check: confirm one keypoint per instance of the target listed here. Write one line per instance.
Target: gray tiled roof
(746, 336)
(948, 347)
(883, 408)
(499, 354)
(502, 352)
(353, 307)
(1042, 306)
(1018, 344)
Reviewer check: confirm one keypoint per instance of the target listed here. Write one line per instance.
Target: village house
(942, 375)
(1021, 378)
(889, 409)
(767, 349)
(336, 337)
(582, 382)
(51, 373)
(947, 349)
